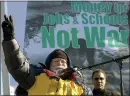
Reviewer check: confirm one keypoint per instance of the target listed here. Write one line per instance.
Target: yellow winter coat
(44, 85)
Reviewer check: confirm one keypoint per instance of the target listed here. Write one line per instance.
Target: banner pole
(4, 72)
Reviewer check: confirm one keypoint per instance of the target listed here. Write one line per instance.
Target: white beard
(56, 70)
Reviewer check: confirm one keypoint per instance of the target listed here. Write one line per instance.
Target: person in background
(99, 82)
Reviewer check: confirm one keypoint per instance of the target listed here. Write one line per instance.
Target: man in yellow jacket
(56, 78)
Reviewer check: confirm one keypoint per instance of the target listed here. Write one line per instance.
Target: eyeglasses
(98, 78)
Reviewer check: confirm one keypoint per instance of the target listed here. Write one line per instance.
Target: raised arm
(15, 61)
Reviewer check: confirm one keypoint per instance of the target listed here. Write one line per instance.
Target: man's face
(58, 63)
(99, 80)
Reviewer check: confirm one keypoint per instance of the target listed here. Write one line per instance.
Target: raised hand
(8, 28)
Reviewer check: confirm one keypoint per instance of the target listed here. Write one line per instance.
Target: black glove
(8, 28)
(67, 73)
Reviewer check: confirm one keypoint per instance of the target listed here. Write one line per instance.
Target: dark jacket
(103, 93)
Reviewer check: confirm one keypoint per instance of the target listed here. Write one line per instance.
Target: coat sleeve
(17, 64)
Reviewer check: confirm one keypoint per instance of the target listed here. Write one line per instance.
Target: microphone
(69, 73)
(61, 72)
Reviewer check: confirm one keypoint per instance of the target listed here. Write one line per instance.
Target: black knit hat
(58, 53)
